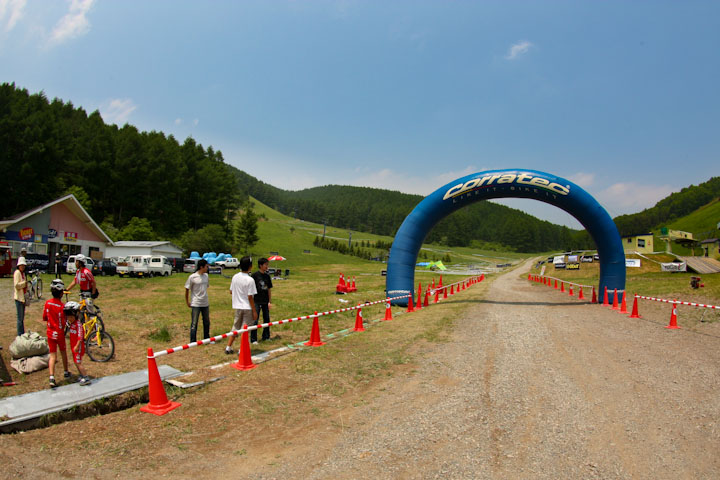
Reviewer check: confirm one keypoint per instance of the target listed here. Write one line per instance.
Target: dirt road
(534, 385)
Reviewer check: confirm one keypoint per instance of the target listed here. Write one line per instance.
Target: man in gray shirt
(196, 298)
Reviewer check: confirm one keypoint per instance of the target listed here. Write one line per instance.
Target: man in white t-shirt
(242, 289)
(196, 297)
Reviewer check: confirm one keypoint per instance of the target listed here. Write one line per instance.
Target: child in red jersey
(54, 315)
(77, 338)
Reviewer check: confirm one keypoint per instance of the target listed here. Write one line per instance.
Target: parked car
(71, 268)
(106, 266)
(134, 266)
(177, 264)
(229, 262)
(190, 265)
(159, 265)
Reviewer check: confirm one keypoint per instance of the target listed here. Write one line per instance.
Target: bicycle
(99, 345)
(35, 285)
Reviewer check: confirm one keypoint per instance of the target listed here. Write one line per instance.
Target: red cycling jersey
(54, 315)
(85, 279)
(77, 340)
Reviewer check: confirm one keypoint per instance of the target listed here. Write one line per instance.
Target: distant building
(642, 243)
(711, 247)
(61, 226)
(125, 248)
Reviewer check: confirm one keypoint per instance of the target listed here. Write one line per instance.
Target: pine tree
(247, 229)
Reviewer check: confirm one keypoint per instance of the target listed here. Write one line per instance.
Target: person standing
(84, 277)
(263, 285)
(196, 298)
(58, 266)
(20, 293)
(242, 289)
(54, 316)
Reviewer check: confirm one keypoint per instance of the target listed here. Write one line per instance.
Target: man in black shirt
(263, 283)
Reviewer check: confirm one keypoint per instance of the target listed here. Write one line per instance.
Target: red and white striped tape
(677, 302)
(235, 333)
(566, 282)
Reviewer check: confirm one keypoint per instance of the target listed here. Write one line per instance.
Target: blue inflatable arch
(503, 184)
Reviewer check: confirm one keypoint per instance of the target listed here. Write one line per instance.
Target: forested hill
(50, 148)
(672, 207)
(380, 211)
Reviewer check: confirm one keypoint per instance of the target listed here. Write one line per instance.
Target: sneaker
(66, 374)
(255, 342)
(52, 382)
(229, 351)
(85, 380)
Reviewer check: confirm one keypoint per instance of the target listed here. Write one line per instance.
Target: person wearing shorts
(77, 339)
(54, 316)
(242, 290)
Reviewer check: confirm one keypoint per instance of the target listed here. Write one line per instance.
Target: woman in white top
(20, 291)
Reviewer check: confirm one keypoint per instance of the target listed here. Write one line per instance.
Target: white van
(160, 265)
(71, 268)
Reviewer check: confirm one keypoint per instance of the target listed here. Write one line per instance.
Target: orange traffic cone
(556, 287)
(410, 308)
(623, 305)
(615, 301)
(315, 334)
(580, 293)
(419, 297)
(673, 318)
(388, 310)
(594, 295)
(562, 286)
(427, 298)
(437, 296)
(605, 298)
(571, 289)
(482, 277)
(244, 358)
(353, 287)
(635, 313)
(452, 289)
(359, 321)
(529, 277)
(159, 403)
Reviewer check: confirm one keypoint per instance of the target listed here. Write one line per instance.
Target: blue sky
(619, 97)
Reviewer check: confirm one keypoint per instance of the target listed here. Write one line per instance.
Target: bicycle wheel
(100, 346)
(38, 288)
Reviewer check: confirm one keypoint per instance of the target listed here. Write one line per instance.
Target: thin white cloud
(196, 122)
(117, 110)
(12, 10)
(630, 197)
(583, 179)
(178, 121)
(518, 49)
(74, 24)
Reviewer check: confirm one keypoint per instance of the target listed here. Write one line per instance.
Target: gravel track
(533, 385)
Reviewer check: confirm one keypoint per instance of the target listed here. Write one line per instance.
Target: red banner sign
(71, 236)
(27, 233)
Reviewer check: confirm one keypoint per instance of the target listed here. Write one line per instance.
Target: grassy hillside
(702, 222)
(291, 237)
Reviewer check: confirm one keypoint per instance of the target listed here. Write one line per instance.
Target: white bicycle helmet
(57, 285)
(80, 258)
(71, 307)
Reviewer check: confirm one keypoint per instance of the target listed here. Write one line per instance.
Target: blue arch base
(504, 184)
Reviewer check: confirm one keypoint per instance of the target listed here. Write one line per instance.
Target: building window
(629, 240)
(641, 243)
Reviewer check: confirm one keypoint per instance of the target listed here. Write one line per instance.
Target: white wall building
(125, 248)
